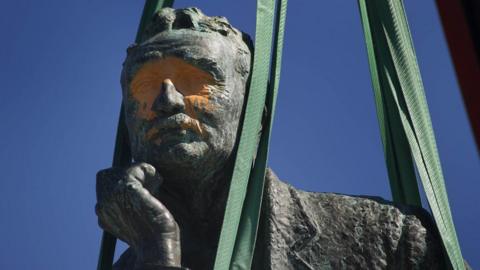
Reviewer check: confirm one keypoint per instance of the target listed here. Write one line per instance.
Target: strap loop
(404, 117)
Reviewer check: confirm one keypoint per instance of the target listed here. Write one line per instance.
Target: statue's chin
(187, 152)
(180, 160)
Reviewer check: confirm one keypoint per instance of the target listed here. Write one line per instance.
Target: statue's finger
(146, 206)
(106, 219)
(153, 181)
(147, 175)
(107, 180)
(112, 219)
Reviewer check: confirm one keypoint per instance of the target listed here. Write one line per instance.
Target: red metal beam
(461, 23)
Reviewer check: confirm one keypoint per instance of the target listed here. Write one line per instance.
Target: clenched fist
(127, 208)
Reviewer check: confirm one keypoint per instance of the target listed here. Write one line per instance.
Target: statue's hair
(170, 20)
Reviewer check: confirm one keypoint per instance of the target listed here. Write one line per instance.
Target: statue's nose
(170, 101)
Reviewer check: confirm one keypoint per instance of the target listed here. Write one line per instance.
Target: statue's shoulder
(336, 231)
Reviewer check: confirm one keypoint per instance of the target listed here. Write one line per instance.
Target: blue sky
(60, 97)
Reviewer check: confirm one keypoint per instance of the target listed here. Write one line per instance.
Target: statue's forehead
(216, 55)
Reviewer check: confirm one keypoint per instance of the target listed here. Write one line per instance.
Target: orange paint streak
(151, 133)
(192, 82)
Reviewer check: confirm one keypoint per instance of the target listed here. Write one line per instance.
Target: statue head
(183, 91)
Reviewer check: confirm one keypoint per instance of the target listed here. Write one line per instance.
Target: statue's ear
(248, 40)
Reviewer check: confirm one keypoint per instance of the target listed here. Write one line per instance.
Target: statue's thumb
(147, 175)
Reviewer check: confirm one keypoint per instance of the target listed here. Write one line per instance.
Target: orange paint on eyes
(192, 82)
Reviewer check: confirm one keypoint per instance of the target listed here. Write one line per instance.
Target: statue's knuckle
(98, 209)
(132, 187)
(147, 169)
(102, 174)
(135, 173)
(170, 224)
(100, 223)
(107, 174)
(141, 164)
(102, 216)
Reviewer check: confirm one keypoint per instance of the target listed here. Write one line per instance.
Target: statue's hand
(127, 208)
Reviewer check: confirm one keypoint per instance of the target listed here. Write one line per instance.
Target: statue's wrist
(165, 252)
(159, 267)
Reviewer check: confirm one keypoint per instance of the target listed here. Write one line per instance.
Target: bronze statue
(183, 92)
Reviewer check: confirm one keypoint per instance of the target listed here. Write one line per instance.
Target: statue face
(183, 104)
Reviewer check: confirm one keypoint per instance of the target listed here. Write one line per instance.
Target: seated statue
(183, 93)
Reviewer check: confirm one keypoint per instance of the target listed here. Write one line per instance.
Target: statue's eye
(187, 78)
(193, 83)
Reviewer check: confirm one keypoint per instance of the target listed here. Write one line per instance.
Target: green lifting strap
(403, 180)
(247, 232)
(238, 234)
(403, 115)
(122, 156)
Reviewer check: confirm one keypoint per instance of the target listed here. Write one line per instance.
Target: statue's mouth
(178, 121)
(175, 126)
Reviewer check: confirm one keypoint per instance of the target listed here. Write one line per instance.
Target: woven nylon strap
(122, 156)
(236, 244)
(247, 232)
(404, 117)
(403, 181)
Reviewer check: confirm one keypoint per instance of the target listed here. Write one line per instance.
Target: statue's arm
(421, 241)
(127, 208)
(127, 262)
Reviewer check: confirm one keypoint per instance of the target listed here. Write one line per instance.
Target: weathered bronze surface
(183, 91)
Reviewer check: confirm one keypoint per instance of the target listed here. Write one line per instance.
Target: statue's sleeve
(153, 267)
(127, 262)
(421, 242)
